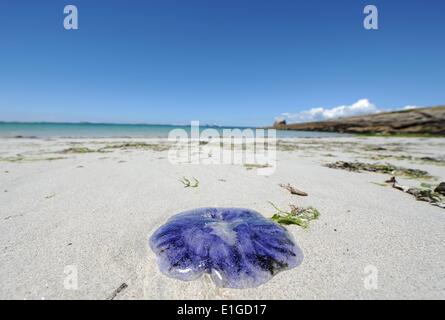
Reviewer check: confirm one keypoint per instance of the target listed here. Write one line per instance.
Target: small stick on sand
(293, 190)
(117, 291)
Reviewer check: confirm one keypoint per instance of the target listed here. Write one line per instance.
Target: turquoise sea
(96, 130)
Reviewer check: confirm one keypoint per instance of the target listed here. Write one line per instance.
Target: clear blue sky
(231, 62)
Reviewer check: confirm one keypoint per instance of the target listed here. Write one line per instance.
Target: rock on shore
(415, 121)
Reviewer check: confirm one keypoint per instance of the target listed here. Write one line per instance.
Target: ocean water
(93, 130)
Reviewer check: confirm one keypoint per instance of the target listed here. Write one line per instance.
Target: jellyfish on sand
(239, 248)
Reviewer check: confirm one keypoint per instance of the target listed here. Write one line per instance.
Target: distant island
(427, 121)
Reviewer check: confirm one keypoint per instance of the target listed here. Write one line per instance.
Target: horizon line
(122, 124)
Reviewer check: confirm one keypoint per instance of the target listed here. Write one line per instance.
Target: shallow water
(90, 130)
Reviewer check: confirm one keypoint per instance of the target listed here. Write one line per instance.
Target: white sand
(99, 217)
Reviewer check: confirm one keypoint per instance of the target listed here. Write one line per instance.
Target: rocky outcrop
(415, 121)
(280, 124)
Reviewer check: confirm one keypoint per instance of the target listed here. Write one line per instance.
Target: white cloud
(410, 107)
(361, 107)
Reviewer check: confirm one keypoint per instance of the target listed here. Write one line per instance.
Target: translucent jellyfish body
(239, 248)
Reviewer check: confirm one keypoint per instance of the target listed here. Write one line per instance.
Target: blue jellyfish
(239, 248)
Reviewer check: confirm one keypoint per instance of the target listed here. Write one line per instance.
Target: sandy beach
(65, 204)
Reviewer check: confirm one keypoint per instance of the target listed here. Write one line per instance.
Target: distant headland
(422, 121)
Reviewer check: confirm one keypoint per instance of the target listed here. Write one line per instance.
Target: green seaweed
(426, 185)
(380, 168)
(16, 158)
(74, 150)
(188, 184)
(53, 158)
(399, 135)
(426, 192)
(296, 215)
(431, 161)
(251, 166)
(20, 158)
(421, 160)
(287, 146)
(135, 145)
